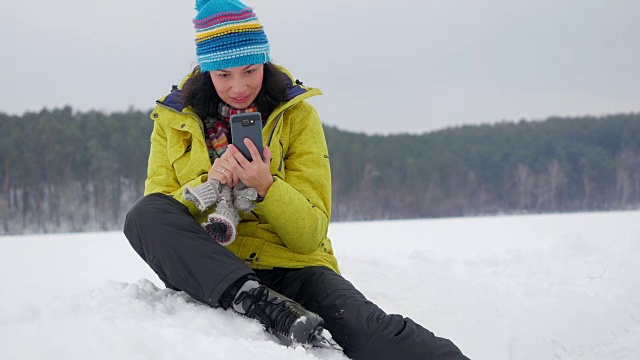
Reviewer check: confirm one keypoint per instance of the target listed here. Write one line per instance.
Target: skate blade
(318, 340)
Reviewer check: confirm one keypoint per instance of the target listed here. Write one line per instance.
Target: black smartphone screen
(247, 125)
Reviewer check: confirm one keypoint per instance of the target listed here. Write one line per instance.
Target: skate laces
(274, 312)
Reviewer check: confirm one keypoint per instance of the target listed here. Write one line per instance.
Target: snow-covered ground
(511, 287)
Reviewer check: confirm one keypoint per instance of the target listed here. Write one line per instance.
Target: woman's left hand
(255, 174)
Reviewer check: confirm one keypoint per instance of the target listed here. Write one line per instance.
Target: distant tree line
(62, 170)
(70, 171)
(556, 165)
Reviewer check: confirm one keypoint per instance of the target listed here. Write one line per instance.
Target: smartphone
(247, 125)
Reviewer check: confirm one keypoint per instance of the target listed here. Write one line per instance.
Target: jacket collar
(296, 91)
(174, 99)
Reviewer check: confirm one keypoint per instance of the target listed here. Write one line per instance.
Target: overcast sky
(384, 66)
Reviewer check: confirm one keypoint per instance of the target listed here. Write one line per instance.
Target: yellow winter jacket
(288, 228)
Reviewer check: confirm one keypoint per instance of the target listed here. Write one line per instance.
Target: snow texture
(510, 287)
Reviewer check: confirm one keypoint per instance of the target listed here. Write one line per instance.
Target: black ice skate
(281, 316)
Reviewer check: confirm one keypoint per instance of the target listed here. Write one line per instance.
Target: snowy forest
(64, 170)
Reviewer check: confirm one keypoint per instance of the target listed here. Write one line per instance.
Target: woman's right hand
(220, 170)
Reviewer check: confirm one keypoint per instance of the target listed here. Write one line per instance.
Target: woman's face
(238, 86)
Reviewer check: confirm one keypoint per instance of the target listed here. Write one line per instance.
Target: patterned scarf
(218, 132)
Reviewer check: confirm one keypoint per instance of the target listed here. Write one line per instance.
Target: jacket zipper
(281, 156)
(273, 129)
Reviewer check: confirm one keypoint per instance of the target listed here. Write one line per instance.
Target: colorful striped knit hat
(228, 34)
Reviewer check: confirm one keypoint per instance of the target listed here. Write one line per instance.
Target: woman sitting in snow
(252, 235)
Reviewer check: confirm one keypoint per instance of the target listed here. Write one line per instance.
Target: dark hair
(202, 96)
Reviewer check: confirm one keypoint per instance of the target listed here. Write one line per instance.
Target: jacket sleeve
(298, 208)
(161, 177)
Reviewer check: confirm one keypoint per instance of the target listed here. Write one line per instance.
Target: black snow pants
(163, 232)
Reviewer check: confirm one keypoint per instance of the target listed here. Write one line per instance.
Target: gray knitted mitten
(203, 195)
(243, 197)
(222, 223)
